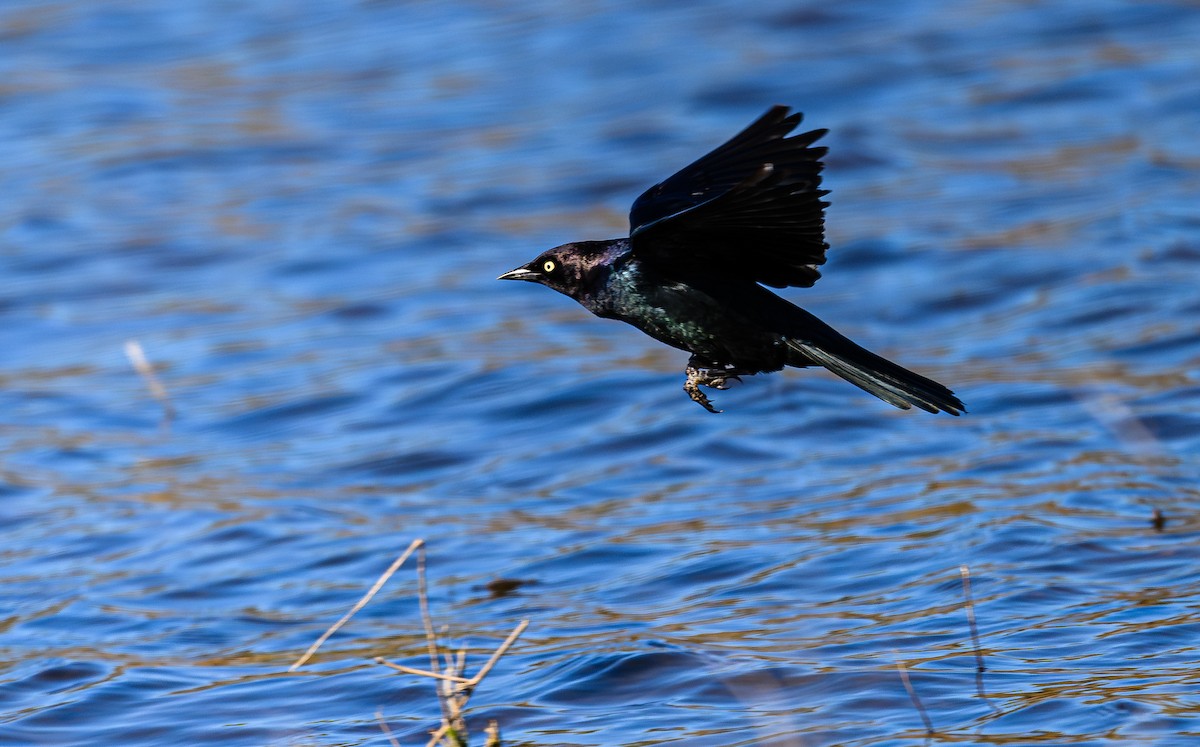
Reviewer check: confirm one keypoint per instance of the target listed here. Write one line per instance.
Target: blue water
(298, 211)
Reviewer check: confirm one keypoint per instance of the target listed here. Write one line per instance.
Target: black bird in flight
(702, 245)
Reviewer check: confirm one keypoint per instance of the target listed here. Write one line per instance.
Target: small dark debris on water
(1158, 520)
(502, 587)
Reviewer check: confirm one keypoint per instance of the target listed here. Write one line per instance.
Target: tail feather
(889, 382)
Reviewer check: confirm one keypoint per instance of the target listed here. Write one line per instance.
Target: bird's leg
(700, 373)
(692, 387)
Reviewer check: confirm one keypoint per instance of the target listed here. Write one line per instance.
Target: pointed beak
(521, 273)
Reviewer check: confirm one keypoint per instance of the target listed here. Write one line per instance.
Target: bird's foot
(716, 378)
(692, 387)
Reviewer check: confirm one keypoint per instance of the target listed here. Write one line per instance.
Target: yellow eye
(548, 266)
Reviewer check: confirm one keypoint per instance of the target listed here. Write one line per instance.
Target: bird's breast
(685, 317)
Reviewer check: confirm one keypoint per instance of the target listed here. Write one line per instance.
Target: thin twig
(493, 734)
(426, 619)
(446, 669)
(137, 358)
(430, 636)
(417, 543)
(421, 672)
(448, 664)
(1122, 422)
(913, 695)
(437, 735)
(387, 731)
(965, 571)
(453, 701)
(970, 604)
(508, 642)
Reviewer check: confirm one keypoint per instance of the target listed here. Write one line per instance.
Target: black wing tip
(947, 403)
(812, 136)
(775, 123)
(781, 114)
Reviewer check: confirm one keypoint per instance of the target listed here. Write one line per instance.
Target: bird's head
(569, 269)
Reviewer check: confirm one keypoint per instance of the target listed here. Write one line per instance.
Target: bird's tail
(889, 382)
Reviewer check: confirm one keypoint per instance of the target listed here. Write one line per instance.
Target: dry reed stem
(420, 672)
(493, 734)
(508, 642)
(454, 691)
(913, 695)
(965, 571)
(137, 358)
(395, 566)
(446, 669)
(431, 639)
(387, 730)
(437, 735)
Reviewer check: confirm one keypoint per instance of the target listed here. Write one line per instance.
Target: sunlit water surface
(298, 211)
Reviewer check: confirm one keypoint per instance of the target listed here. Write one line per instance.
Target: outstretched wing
(751, 208)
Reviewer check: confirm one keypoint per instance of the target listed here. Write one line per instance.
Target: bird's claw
(724, 381)
(693, 389)
(714, 378)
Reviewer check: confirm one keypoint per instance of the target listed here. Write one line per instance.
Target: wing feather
(752, 207)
